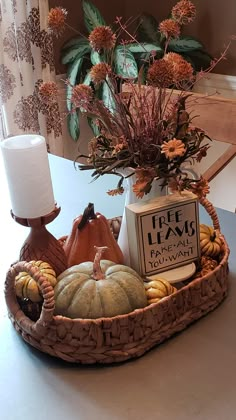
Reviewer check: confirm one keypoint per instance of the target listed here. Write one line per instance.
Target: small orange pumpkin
(89, 230)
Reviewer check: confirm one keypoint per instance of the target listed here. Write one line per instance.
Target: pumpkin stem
(88, 214)
(97, 271)
(213, 236)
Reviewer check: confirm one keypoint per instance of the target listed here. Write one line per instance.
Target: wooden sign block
(163, 233)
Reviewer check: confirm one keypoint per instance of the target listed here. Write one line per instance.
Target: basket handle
(39, 327)
(210, 209)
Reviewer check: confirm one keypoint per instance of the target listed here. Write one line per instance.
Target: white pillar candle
(28, 174)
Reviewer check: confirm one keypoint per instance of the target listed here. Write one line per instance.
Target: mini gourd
(98, 289)
(89, 230)
(27, 288)
(210, 241)
(158, 289)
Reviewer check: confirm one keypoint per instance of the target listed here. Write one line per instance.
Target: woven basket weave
(108, 340)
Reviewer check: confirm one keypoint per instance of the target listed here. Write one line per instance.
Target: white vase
(130, 198)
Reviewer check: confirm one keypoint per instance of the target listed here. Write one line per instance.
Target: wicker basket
(108, 340)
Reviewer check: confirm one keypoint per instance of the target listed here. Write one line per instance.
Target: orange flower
(169, 28)
(173, 148)
(99, 72)
(182, 70)
(116, 191)
(200, 188)
(160, 74)
(118, 147)
(176, 184)
(141, 187)
(48, 91)
(56, 20)
(81, 95)
(102, 38)
(147, 174)
(184, 12)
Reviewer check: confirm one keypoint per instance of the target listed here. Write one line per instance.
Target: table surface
(190, 376)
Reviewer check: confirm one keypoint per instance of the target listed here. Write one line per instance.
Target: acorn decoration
(206, 265)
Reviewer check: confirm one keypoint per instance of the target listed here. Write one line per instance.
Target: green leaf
(125, 64)
(73, 42)
(143, 47)
(184, 44)
(76, 51)
(95, 57)
(148, 29)
(97, 90)
(107, 96)
(73, 125)
(92, 16)
(201, 59)
(73, 75)
(69, 55)
(107, 93)
(93, 126)
(87, 79)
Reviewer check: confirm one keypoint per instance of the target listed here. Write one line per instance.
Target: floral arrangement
(78, 55)
(142, 127)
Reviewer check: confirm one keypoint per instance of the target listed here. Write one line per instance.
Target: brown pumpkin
(89, 230)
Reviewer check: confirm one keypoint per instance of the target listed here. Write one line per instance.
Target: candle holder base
(41, 244)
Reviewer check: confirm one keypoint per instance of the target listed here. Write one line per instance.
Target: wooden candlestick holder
(41, 244)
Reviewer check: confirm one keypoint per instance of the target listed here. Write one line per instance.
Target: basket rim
(191, 284)
(136, 312)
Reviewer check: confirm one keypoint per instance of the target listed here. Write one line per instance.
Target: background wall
(214, 25)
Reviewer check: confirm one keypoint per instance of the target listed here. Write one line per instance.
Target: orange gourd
(89, 230)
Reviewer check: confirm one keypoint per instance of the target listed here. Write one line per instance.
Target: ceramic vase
(130, 198)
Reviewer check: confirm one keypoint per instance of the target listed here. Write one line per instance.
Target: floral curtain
(26, 59)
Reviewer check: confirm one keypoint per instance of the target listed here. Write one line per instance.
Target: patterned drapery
(27, 59)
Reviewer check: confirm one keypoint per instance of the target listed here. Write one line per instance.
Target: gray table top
(190, 376)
